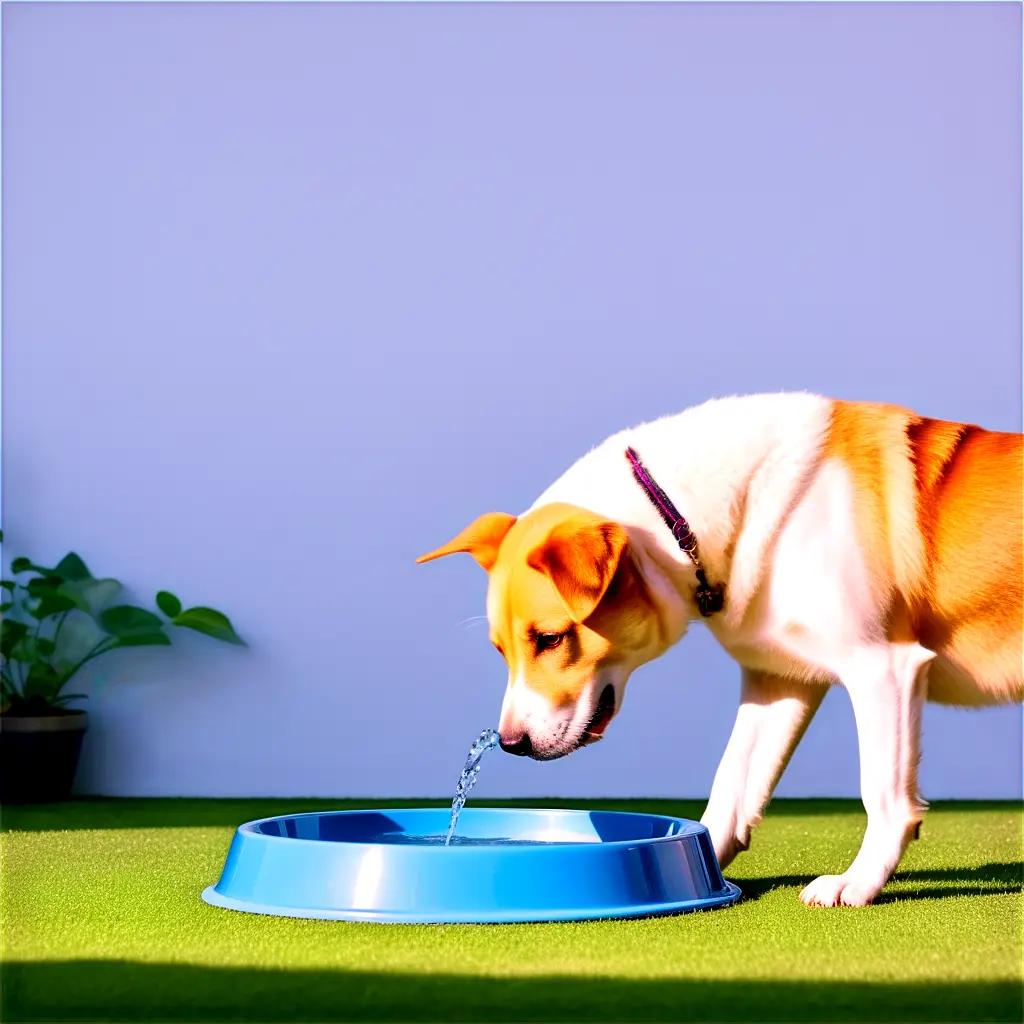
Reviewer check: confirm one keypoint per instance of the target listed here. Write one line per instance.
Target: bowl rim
(689, 828)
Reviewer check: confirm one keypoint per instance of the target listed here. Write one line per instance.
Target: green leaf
(42, 681)
(28, 652)
(8, 585)
(211, 622)
(125, 620)
(168, 603)
(90, 596)
(42, 585)
(43, 674)
(11, 631)
(154, 639)
(51, 604)
(78, 636)
(71, 567)
(27, 566)
(65, 697)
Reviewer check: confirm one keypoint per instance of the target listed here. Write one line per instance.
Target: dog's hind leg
(887, 688)
(773, 714)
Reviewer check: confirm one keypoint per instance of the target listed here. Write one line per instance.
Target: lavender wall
(293, 291)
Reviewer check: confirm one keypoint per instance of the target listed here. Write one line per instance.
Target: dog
(823, 542)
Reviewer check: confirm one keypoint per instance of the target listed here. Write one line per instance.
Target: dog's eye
(547, 641)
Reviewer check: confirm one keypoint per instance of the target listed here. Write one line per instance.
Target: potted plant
(53, 622)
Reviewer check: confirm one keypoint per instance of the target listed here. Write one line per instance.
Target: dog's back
(940, 512)
(970, 511)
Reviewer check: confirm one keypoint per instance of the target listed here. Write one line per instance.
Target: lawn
(102, 921)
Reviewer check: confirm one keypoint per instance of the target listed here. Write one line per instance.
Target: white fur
(773, 714)
(553, 731)
(775, 523)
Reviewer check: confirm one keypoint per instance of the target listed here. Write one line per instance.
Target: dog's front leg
(887, 689)
(773, 714)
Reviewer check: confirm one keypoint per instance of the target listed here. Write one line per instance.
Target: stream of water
(487, 740)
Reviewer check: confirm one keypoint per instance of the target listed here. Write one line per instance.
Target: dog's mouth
(602, 716)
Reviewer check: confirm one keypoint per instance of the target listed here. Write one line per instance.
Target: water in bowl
(487, 740)
(403, 839)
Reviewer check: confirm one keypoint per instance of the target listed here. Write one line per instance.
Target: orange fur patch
(970, 502)
(871, 440)
(939, 517)
(526, 585)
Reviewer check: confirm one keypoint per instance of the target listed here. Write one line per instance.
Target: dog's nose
(516, 742)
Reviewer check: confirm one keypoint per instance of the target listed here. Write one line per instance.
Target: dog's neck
(709, 460)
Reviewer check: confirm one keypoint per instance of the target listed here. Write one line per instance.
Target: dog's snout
(516, 741)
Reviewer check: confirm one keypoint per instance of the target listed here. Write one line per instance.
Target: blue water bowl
(504, 865)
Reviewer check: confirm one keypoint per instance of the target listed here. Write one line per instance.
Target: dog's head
(571, 616)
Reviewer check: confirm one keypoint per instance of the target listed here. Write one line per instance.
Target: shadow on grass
(188, 812)
(126, 991)
(981, 880)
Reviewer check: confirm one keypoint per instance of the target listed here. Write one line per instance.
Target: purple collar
(710, 596)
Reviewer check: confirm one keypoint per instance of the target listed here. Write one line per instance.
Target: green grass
(102, 921)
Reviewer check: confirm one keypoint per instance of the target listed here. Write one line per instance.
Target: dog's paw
(838, 891)
(859, 893)
(824, 891)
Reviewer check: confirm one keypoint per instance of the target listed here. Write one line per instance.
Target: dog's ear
(481, 539)
(581, 559)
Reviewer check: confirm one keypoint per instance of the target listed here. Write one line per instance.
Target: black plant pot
(39, 755)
